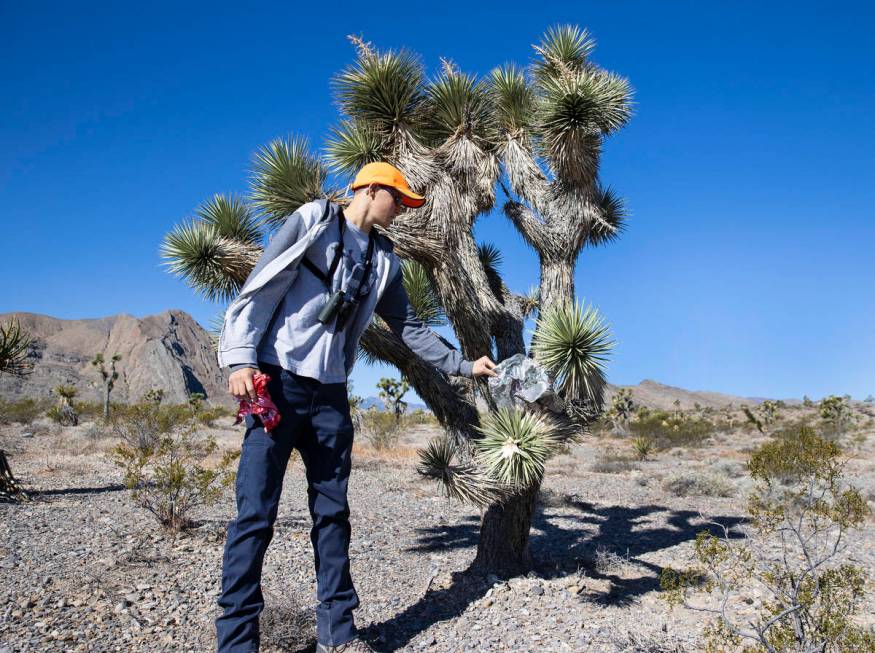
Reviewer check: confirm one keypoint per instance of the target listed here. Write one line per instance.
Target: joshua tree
(622, 409)
(109, 377)
(837, 414)
(154, 396)
(534, 135)
(769, 412)
(392, 393)
(14, 345)
(66, 413)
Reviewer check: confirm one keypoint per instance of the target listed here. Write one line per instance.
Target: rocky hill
(173, 352)
(169, 351)
(660, 396)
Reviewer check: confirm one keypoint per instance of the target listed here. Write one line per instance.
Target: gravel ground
(83, 569)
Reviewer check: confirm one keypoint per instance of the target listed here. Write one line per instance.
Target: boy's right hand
(240, 384)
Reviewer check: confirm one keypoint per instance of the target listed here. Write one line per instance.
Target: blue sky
(748, 264)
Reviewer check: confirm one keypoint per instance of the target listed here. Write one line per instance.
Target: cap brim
(412, 200)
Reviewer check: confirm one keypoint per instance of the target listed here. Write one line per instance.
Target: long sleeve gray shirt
(298, 342)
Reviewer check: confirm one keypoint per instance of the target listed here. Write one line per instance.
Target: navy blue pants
(316, 422)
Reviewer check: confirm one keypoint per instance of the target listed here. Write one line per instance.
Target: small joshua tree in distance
(109, 377)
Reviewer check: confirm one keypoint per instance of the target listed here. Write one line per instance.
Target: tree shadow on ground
(564, 541)
(112, 487)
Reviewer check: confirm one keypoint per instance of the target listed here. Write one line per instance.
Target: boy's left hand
(483, 367)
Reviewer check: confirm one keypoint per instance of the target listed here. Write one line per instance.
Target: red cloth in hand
(262, 406)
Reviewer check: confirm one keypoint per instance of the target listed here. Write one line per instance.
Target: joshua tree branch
(532, 229)
(447, 400)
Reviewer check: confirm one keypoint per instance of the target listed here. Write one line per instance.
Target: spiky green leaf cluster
(490, 258)
(214, 251)
(14, 346)
(613, 214)
(457, 104)
(423, 298)
(231, 218)
(564, 109)
(285, 175)
(464, 482)
(530, 302)
(352, 145)
(513, 100)
(195, 252)
(573, 342)
(563, 50)
(587, 105)
(515, 446)
(383, 90)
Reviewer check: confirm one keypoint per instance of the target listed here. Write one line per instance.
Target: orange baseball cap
(388, 175)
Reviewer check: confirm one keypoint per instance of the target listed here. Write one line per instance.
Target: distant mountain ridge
(661, 396)
(173, 352)
(170, 351)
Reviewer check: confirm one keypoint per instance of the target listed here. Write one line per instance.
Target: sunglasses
(396, 196)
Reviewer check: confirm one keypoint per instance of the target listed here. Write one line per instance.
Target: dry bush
(697, 484)
(23, 411)
(165, 463)
(676, 429)
(610, 463)
(285, 624)
(631, 642)
(420, 417)
(41, 429)
(381, 429)
(609, 562)
(792, 552)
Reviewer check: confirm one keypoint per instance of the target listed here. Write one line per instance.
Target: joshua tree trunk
(106, 390)
(557, 281)
(9, 490)
(503, 548)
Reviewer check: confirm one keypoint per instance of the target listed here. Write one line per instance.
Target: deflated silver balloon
(521, 382)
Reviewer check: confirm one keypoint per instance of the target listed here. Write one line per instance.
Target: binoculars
(340, 304)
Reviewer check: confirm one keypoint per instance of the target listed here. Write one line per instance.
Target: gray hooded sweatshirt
(270, 289)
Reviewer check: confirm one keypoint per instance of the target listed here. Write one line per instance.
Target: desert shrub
(141, 426)
(601, 426)
(286, 623)
(697, 484)
(56, 414)
(791, 428)
(209, 416)
(381, 428)
(609, 562)
(165, 463)
(802, 515)
(609, 463)
(89, 410)
(23, 411)
(676, 429)
(420, 417)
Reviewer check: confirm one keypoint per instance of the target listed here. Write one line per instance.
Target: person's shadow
(558, 550)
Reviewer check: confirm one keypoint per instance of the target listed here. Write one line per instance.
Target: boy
(299, 318)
